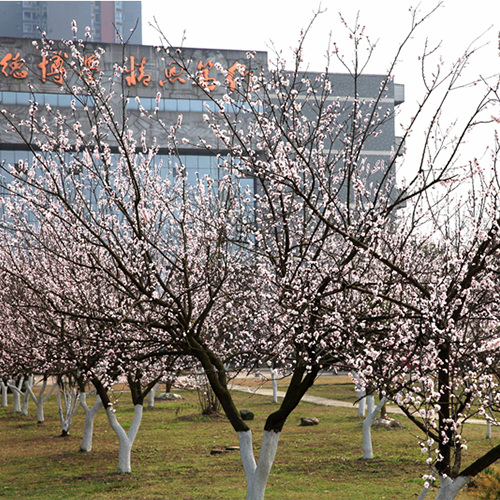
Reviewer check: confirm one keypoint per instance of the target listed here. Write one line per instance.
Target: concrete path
(326, 401)
(309, 399)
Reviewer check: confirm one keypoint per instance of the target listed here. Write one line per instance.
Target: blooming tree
(420, 266)
(328, 261)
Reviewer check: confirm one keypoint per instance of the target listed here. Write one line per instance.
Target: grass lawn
(171, 456)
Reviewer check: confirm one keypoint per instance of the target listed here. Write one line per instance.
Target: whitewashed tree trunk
(275, 386)
(17, 393)
(40, 399)
(125, 439)
(68, 405)
(5, 401)
(17, 400)
(26, 396)
(428, 485)
(367, 426)
(370, 404)
(151, 395)
(360, 396)
(257, 474)
(449, 488)
(88, 427)
(25, 403)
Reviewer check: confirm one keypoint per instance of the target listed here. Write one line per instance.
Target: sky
(257, 24)
(455, 26)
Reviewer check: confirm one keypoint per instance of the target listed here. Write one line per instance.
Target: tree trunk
(68, 409)
(449, 488)
(360, 396)
(428, 485)
(88, 427)
(370, 404)
(257, 474)
(151, 395)
(17, 401)
(275, 386)
(25, 403)
(40, 400)
(126, 440)
(17, 393)
(4, 394)
(488, 422)
(367, 427)
(383, 410)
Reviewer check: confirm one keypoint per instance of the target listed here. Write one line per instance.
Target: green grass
(171, 456)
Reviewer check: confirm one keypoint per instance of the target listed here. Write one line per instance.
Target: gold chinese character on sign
(235, 71)
(173, 73)
(53, 67)
(137, 73)
(204, 71)
(12, 66)
(90, 63)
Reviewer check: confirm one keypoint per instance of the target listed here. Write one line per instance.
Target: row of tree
(112, 268)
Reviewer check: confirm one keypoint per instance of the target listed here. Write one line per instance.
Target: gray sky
(252, 25)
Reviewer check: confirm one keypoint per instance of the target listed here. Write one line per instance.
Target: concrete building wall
(149, 72)
(61, 15)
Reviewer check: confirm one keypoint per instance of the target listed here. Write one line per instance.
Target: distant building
(160, 83)
(105, 19)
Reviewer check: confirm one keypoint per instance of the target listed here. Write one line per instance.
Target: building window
(27, 15)
(27, 28)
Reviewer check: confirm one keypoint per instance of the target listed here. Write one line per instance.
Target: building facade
(155, 82)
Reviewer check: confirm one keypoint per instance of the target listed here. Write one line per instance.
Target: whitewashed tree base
(371, 414)
(5, 401)
(88, 426)
(449, 488)
(125, 439)
(151, 395)
(257, 474)
(40, 399)
(275, 386)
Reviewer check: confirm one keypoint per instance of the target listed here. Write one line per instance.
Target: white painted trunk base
(151, 395)
(68, 404)
(40, 399)
(5, 401)
(257, 474)
(488, 424)
(88, 426)
(367, 426)
(125, 439)
(17, 402)
(275, 386)
(428, 484)
(449, 488)
(370, 404)
(360, 395)
(17, 393)
(25, 404)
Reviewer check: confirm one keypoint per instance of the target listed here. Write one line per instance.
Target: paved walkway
(326, 401)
